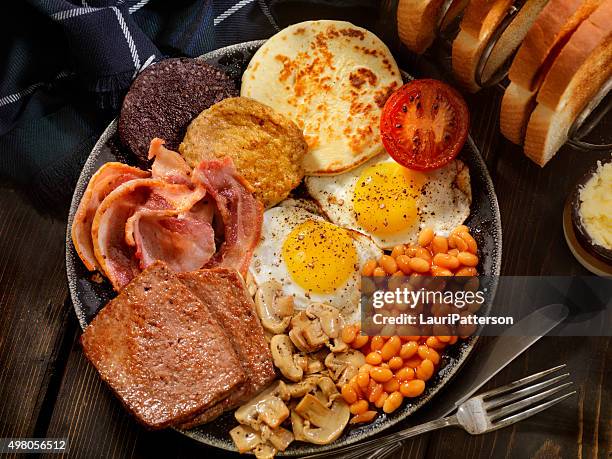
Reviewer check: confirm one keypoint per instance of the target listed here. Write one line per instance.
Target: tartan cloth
(68, 65)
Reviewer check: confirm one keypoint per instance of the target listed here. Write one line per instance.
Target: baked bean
(405, 374)
(441, 330)
(458, 243)
(408, 349)
(453, 340)
(376, 343)
(395, 363)
(425, 370)
(374, 358)
(440, 272)
(419, 265)
(388, 264)
(388, 330)
(426, 352)
(470, 241)
(412, 388)
(380, 401)
(365, 368)
(444, 260)
(403, 263)
(411, 251)
(439, 245)
(466, 271)
(349, 394)
(392, 385)
(413, 362)
(433, 342)
(363, 380)
(349, 333)
(467, 259)
(375, 389)
(460, 229)
(359, 407)
(423, 253)
(368, 267)
(393, 402)
(363, 417)
(425, 237)
(379, 272)
(381, 374)
(453, 252)
(391, 348)
(353, 383)
(444, 339)
(398, 250)
(360, 341)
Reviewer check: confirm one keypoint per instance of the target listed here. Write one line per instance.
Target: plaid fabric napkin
(60, 86)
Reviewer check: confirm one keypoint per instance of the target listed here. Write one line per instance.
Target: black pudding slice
(164, 99)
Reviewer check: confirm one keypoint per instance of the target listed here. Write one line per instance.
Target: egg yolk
(320, 256)
(384, 200)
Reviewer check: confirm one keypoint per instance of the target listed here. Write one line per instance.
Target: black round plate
(89, 294)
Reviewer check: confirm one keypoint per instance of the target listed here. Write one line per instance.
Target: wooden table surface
(48, 389)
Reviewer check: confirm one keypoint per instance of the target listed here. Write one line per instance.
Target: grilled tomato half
(424, 124)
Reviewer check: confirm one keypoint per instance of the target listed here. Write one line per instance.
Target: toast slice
(417, 21)
(226, 295)
(581, 69)
(480, 20)
(161, 350)
(553, 27)
(512, 37)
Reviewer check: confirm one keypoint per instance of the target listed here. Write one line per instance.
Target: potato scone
(332, 78)
(267, 148)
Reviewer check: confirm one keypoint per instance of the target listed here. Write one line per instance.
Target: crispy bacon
(105, 180)
(241, 212)
(168, 165)
(114, 240)
(182, 240)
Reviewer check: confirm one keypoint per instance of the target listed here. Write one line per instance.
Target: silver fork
(480, 414)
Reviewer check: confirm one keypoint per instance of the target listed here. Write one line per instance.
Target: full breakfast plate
(90, 291)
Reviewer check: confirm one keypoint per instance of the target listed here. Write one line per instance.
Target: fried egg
(391, 203)
(313, 259)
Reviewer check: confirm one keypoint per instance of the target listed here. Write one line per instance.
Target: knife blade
(493, 357)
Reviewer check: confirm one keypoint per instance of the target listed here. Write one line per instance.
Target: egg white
(268, 264)
(443, 204)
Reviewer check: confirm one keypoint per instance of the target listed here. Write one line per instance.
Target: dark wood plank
(578, 427)
(531, 201)
(33, 312)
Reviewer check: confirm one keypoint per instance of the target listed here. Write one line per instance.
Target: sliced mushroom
(267, 407)
(337, 345)
(300, 389)
(273, 309)
(264, 451)
(245, 438)
(344, 366)
(328, 422)
(307, 334)
(314, 366)
(297, 426)
(329, 317)
(282, 354)
(281, 438)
